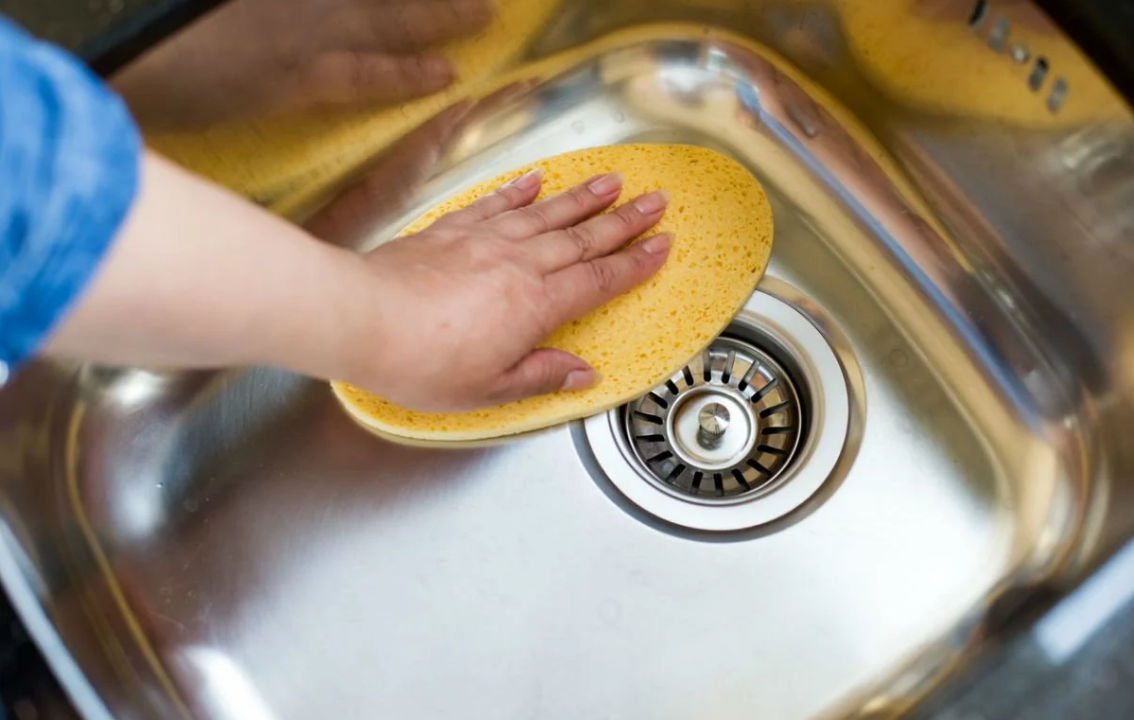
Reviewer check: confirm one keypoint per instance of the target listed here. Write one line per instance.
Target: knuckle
(538, 219)
(471, 13)
(580, 197)
(322, 78)
(583, 239)
(547, 379)
(360, 73)
(411, 71)
(603, 276)
(627, 218)
(535, 378)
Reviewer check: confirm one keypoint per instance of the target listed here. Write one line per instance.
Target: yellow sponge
(722, 226)
(289, 164)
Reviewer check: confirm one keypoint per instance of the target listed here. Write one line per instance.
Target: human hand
(454, 314)
(447, 319)
(260, 57)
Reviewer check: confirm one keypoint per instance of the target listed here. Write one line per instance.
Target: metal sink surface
(230, 545)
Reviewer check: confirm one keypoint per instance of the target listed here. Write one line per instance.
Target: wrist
(339, 311)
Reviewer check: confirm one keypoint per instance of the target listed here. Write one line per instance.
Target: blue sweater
(69, 163)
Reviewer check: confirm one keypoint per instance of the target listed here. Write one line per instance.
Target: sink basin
(230, 545)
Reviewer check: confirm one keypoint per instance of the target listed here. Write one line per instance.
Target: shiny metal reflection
(712, 423)
(226, 543)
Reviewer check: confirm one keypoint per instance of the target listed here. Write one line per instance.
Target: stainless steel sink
(230, 545)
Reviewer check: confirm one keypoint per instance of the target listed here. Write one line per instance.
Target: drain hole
(648, 417)
(998, 37)
(741, 480)
(775, 409)
(743, 385)
(759, 468)
(1038, 74)
(703, 462)
(768, 387)
(675, 473)
(980, 11)
(733, 424)
(1058, 95)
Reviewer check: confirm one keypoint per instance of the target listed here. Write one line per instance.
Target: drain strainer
(722, 427)
(739, 438)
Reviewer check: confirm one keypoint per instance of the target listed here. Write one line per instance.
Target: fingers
(562, 210)
(408, 27)
(347, 78)
(584, 286)
(600, 235)
(510, 196)
(544, 371)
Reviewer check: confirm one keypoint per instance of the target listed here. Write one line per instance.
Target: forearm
(199, 277)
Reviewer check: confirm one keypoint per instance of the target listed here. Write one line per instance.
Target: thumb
(544, 371)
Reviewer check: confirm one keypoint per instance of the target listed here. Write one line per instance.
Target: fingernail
(652, 202)
(580, 380)
(606, 185)
(658, 244)
(529, 180)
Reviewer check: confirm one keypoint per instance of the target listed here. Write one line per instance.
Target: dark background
(109, 33)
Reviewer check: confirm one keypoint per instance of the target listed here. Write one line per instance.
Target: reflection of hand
(393, 178)
(454, 312)
(253, 57)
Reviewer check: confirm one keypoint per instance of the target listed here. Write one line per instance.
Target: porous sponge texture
(722, 227)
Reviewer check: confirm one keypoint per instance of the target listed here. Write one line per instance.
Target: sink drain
(741, 436)
(722, 427)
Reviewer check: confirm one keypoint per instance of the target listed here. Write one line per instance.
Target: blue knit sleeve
(69, 158)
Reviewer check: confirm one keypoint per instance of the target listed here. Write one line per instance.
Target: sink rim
(29, 605)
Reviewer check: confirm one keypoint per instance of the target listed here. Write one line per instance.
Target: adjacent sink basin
(230, 545)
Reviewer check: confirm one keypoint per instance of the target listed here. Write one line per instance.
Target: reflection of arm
(255, 58)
